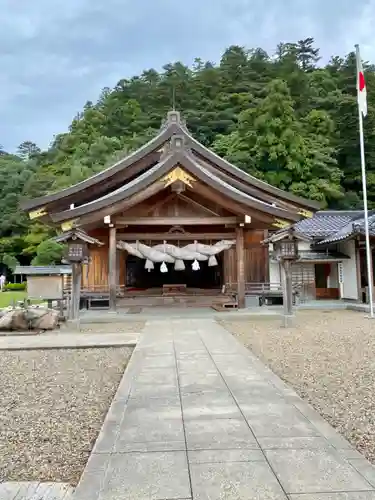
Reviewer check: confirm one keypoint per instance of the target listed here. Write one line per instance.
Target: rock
(20, 322)
(43, 319)
(6, 321)
(29, 319)
(14, 320)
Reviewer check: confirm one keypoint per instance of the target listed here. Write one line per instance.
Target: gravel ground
(329, 359)
(52, 406)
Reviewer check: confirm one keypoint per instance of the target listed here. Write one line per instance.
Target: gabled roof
(173, 126)
(354, 227)
(176, 156)
(77, 234)
(43, 270)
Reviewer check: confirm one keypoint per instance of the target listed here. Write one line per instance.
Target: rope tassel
(212, 261)
(179, 265)
(195, 266)
(149, 265)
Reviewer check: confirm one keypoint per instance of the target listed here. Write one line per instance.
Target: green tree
(48, 253)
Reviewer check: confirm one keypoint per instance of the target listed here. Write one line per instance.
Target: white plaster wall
(304, 246)
(350, 288)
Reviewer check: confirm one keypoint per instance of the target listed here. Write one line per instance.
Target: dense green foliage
(286, 119)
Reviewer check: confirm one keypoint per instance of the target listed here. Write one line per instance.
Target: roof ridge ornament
(173, 118)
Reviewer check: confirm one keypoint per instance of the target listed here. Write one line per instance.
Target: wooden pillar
(76, 290)
(266, 258)
(112, 269)
(240, 267)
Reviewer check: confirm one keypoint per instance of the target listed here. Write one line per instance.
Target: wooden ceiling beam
(231, 205)
(175, 221)
(198, 205)
(175, 236)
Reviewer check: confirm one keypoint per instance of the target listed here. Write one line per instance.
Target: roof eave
(230, 168)
(137, 155)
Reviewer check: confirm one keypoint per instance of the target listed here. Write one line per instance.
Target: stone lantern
(286, 252)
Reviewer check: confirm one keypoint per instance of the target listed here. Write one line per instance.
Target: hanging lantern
(195, 266)
(77, 251)
(163, 268)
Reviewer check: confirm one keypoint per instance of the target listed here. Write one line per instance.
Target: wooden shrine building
(172, 197)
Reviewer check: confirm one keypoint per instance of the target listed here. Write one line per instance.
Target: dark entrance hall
(140, 278)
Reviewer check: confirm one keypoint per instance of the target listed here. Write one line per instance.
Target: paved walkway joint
(198, 416)
(75, 340)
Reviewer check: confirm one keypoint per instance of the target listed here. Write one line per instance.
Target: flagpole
(365, 204)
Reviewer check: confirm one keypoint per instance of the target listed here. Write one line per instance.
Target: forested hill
(287, 119)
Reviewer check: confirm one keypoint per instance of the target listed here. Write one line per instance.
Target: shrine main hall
(172, 219)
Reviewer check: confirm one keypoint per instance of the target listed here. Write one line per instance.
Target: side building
(332, 257)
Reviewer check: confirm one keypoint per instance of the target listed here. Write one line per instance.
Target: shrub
(15, 287)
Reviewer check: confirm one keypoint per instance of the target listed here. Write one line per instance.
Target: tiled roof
(325, 223)
(354, 226)
(42, 270)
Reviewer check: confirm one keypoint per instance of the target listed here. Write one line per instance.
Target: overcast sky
(57, 54)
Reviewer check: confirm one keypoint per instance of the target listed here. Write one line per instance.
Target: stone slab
(67, 341)
(357, 495)
(235, 481)
(315, 471)
(209, 404)
(218, 433)
(220, 456)
(277, 420)
(147, 476)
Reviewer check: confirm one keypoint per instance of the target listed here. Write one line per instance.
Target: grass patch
(7, 298)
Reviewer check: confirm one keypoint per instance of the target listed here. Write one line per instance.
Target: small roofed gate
(255, 256)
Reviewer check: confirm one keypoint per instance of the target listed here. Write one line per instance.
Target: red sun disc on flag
(362, 83)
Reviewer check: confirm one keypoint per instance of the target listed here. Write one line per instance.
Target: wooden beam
(76, 291)
(240, 267)
(174, 221)
(154, 209)
(175, 236)
(286, 268)
(112, 268)
(198, 205)
(120, 206)
(231, 205)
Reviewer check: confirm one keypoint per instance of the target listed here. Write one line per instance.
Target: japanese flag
(361, 86)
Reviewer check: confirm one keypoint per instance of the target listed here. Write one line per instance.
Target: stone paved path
(67, 340)
(13, 490)
(197, 416)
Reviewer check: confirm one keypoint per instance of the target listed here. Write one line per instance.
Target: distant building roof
(329, 226)
(353, 227)
(43, 270)
(326, 222)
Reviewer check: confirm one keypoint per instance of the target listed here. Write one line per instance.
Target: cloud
(56, 55)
